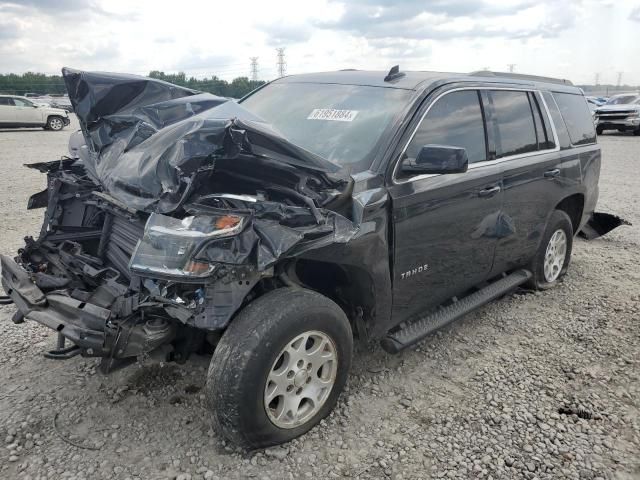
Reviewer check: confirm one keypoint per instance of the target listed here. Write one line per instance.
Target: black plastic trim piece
(422, 326)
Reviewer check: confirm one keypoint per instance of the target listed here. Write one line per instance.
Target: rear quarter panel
(582, 173)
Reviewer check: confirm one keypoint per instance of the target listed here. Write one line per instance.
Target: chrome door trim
(394, 179)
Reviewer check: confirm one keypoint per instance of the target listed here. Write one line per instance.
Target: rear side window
(577, 117)
(558, 122)
(515, 129)
(456, 120)
(543, 129)
(5, 101)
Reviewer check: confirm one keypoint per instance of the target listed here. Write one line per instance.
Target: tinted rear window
(558, 122)
(6, 101)
(577, 117)
(543, 127)
(514, 125)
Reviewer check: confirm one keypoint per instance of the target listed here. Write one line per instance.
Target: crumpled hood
(150, 143)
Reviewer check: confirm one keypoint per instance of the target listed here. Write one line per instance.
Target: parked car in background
(621, 112)
(597, 101)
(61, 101)
(18, 112)
(318, 208)
(594, 103)
(39, 99)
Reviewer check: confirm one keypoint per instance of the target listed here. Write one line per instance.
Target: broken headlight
(169, 244)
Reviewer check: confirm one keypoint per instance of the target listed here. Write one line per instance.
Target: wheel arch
(573, 205)
(53, 115)
(350, 287)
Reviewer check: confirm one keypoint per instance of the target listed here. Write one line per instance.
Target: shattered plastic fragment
(600, 224)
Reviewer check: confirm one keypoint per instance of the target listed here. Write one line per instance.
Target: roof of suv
(418, 80)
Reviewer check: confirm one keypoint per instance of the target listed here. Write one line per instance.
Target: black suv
(318, 208)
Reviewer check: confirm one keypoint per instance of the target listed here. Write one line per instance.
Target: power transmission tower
(597, 79)
(619, 79)
(511, 67)
(281, 64)
(254, 68)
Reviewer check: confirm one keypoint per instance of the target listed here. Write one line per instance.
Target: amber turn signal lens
(198, 268)
(228, 221)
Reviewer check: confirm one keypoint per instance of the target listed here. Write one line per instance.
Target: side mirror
(34, 105)
(437, 159)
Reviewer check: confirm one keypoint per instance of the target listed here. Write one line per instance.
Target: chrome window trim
(394, 178)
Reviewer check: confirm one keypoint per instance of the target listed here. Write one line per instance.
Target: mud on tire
(250, 350)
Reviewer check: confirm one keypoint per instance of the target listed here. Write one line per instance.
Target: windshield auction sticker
(332, 114)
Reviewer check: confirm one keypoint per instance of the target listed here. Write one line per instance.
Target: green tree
(42, 84)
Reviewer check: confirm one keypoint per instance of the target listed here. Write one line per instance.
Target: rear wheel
(554, 253)
(637, 131)
(279, 368)
(55, 123)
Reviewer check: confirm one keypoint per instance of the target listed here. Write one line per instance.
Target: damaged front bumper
(82, 323)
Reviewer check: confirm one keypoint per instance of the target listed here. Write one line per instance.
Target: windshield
(342, 123)
(624, 100)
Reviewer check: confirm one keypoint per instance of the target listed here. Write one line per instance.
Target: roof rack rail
(520, 76)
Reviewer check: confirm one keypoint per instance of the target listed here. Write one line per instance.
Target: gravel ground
(543, 385)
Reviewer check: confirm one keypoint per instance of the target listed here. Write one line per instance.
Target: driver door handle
(552, 173)
(489, 191)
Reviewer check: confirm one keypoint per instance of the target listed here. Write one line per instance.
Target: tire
(636, 132)
(541, 280)
(251, 354)
(599, 130)
(55, 123)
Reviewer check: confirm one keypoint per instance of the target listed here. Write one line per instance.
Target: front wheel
(599, 130)
(55, 123)
(554, 253)
(279, 368)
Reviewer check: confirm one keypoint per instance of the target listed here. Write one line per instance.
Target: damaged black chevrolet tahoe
(319, 208)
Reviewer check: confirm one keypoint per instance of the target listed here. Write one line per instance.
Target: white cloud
(571, 39)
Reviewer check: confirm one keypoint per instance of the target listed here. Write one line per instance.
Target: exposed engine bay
(178, 206)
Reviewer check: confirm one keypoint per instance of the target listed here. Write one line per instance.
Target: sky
(574, 39)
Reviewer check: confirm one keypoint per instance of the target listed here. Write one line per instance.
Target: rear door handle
(489, 191)
(552, 173)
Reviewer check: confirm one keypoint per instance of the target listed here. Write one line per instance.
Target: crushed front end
(75, 278)
(173, 217)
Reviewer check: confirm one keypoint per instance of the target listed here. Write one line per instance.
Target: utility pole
(281, 64)
(254, 68)
(511, 67)
(597, 79)
(619, 79)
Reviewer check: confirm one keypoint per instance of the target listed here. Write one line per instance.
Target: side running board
(423, 325)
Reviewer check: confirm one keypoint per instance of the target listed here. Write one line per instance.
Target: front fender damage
(156, 150)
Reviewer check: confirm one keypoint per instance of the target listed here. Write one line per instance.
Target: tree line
(40, 83)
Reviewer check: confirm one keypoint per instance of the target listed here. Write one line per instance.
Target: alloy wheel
(555, 255)
(301, 379)
(55, 124)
